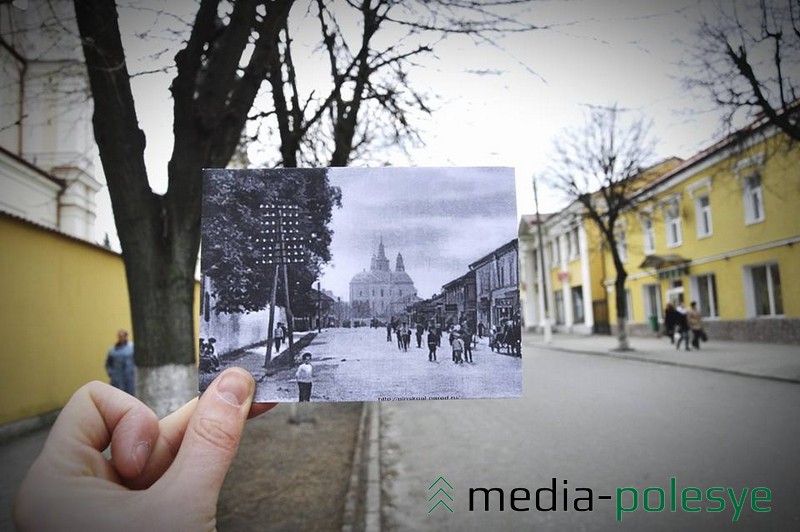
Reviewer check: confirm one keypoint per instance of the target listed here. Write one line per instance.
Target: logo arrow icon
(441, 493)
(443, 504)
(437, 491)
(443, 480)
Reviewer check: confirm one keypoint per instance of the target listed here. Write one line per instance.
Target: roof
(662, 261)
(60, 182)
(499, 251)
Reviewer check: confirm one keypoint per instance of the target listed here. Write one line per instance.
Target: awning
(662, 261)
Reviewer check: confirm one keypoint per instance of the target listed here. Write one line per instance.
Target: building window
(703, 211)
(649, 236)
(554, 254)
(673, 219)
(572, 244)
(753, 200)
(764, 285)
(622, 245)
(577, 304)
(652, 300)
(575, 244)
(705, 286)
(559, 295)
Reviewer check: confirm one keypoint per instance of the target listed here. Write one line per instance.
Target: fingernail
(234, 388)
(141, 452)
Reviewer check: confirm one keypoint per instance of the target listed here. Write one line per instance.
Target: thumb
(212, 438)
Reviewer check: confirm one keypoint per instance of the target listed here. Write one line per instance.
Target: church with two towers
(380, 292)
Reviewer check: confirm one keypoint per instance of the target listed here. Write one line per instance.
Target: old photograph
(359, 284)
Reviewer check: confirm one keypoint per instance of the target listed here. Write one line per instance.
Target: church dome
(401, 278)
(363, 277)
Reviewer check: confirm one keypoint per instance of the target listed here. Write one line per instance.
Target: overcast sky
(440, 219)
(505, 105)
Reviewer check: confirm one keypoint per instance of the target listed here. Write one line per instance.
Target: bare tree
(747, 59)
(232, 48)
(597, 165)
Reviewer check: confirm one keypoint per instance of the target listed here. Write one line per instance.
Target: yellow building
(721, 229)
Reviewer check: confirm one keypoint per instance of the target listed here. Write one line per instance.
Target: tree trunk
(161, 294)
(622, 320)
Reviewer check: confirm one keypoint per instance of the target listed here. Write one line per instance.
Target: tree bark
(622, 314)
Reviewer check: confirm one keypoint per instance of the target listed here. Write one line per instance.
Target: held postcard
(359, 284)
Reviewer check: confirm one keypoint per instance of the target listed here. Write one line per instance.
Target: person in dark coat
(433, 343)
(670, 321)
(683, 329)
(420, 330)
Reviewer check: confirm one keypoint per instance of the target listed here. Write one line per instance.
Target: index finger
(96, 415)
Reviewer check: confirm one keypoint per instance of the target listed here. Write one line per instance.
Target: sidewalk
(768, 361)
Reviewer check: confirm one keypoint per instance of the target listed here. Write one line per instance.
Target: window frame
(701, 214)
(711, 294)
(750, 192)
(750, 291)
(649, 234)
(675, 221)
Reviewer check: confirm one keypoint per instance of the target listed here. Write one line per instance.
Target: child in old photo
(305, 378)
(458, 348)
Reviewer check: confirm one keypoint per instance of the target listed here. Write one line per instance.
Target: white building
(46, 143)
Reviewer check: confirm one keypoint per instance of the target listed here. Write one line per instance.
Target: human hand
(163, 475)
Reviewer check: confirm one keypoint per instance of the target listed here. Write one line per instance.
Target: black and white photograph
(360, 284)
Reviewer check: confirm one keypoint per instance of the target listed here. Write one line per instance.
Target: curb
(17, 429)
(362, 512)
(621, 356)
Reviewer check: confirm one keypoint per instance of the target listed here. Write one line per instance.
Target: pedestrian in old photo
(120, 365)
(433, 343)
(420, 330)
(481, 329)
(406, 332)
(280, 334)
(695, 320)
(389, 332)
(467, 338)
(458, 348)
(305, 378)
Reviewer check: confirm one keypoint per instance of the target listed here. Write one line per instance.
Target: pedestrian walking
(120, 365)
(420, 330)
(695, 320)
(389, 332)
(467, 337)
(683, 327)
(458, 348)
(305, 378)
(481, 329)
(670, 322)
(406, 337)
(433, 343)
(278, 336)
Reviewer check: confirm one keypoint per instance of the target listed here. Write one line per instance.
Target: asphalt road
(602, 424)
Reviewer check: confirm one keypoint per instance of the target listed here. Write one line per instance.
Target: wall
(63, 301)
